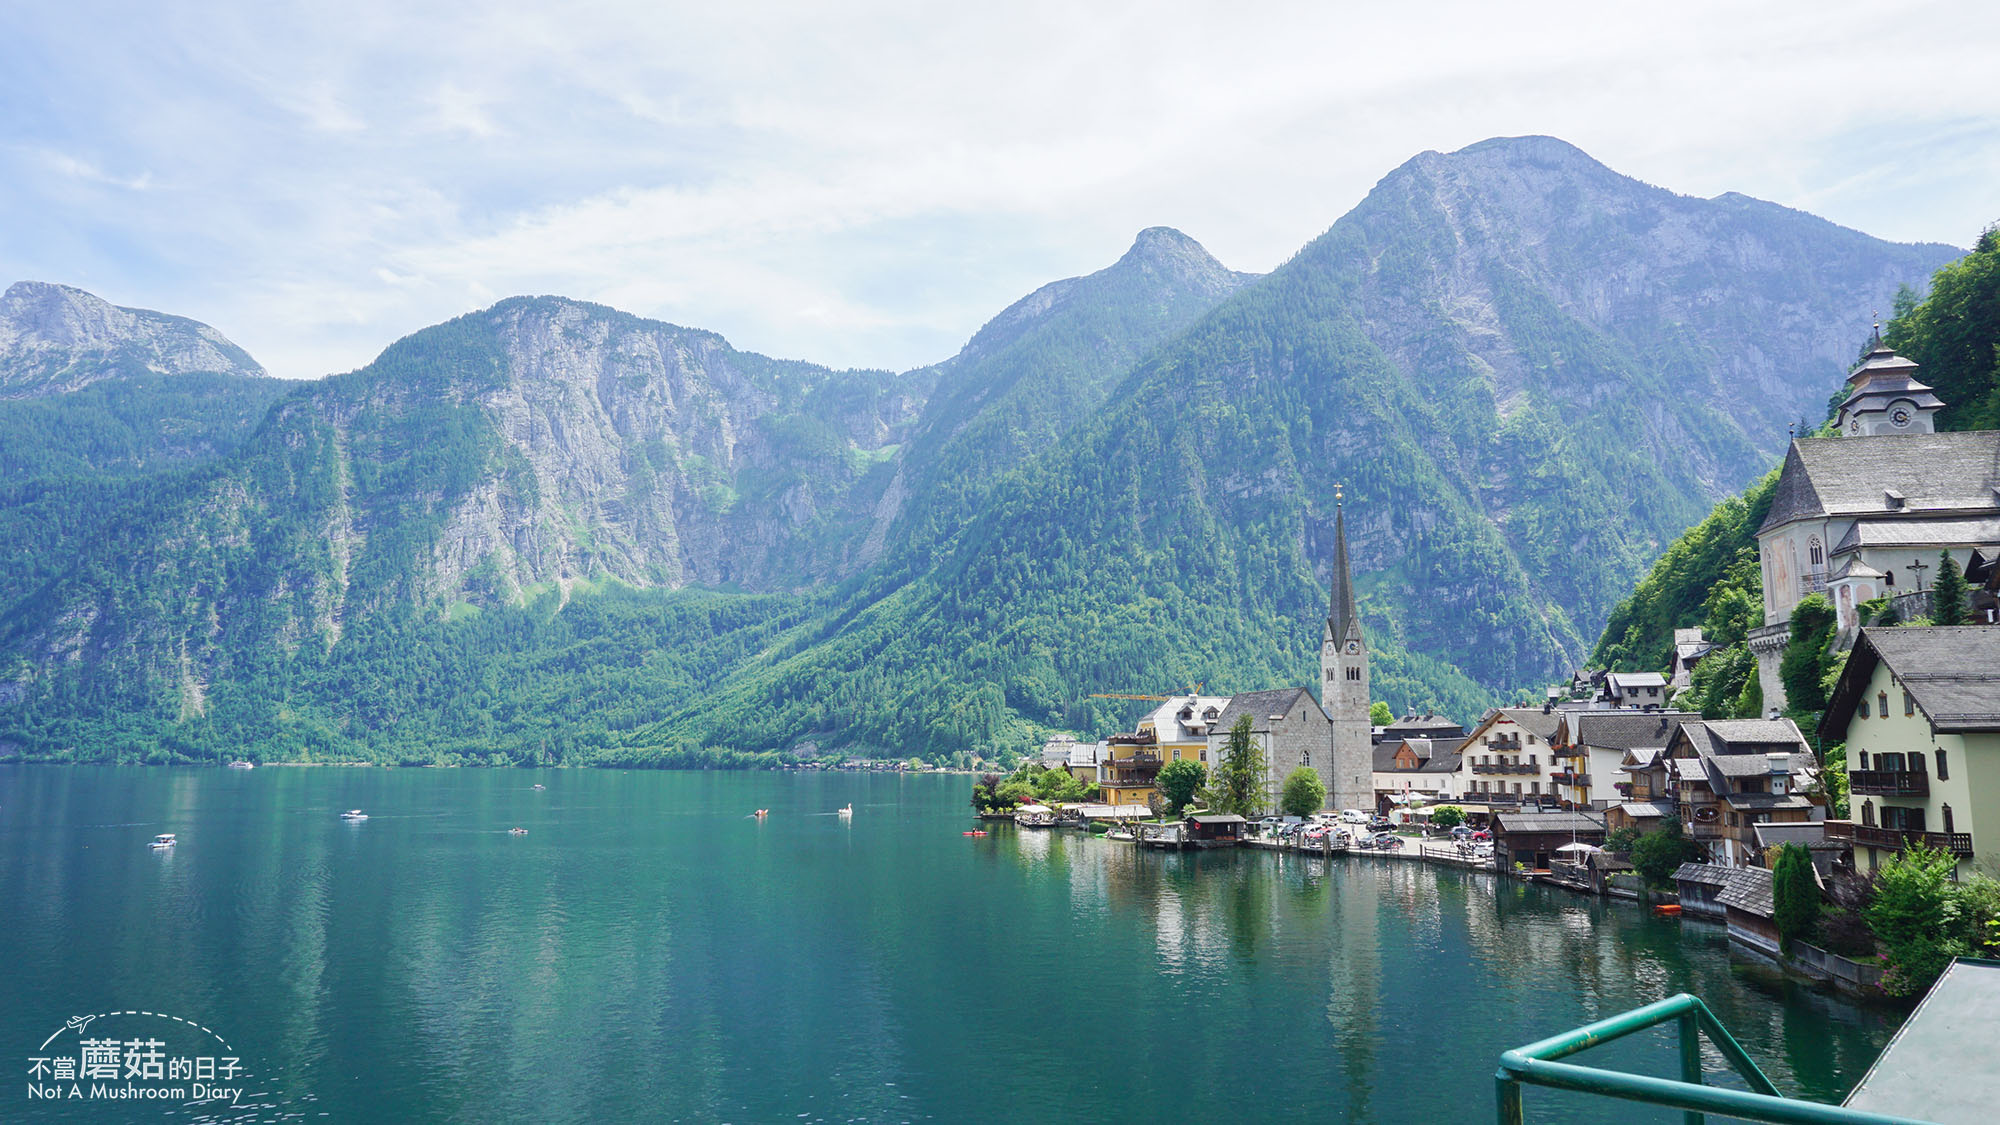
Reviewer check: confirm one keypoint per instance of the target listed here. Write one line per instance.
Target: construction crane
(1194, 690)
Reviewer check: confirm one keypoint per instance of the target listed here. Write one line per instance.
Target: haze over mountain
(1526, 371)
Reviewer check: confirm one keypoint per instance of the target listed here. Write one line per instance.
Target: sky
(864, 184)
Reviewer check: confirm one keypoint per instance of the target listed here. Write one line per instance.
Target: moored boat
(162, 842)
(353, 815)
(1035, 816)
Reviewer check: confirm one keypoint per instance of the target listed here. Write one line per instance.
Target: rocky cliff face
(55, 339)
(1521, 371)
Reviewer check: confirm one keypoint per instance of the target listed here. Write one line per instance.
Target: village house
(1534, 838)
(1287, 725)
(1649, 792)
(1633, 689)
(1590, 748)
(1919, 709)
(1866, 514)
(1176, 730)
(1416, 769)
(1733, 774)
(1690, 646)
(1507, 759)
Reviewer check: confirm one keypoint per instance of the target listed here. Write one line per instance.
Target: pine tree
(1239, 777)
(1795, 894)
(1948, 593)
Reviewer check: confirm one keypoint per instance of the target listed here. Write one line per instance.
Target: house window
(1531, 759)
(1864, 708)
(1868, 813)
(1354, 673)
(1814, 551)
(1307, 759)
(1944, 769)
(1947, 820)
(1882, 703)
(1535, 787)
(1910, 707)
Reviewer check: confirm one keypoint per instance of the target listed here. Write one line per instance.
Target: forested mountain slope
(1526, 372)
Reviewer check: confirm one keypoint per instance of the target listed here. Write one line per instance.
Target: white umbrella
(1579, 848)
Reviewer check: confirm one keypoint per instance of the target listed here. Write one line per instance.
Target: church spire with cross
(1343, 663)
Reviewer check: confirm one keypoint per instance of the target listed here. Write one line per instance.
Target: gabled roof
(1642, 810)
(1625, 730)
(1548, 822)
(1623, 681)
(1951, 671)
(1848, 476)
(1167, 726)
(1531, 719)
(1410, 724)
(1445, 757)
(1260, 706)
(1747, 889)
(1725, 737)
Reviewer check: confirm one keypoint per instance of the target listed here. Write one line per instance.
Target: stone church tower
(1343, 668)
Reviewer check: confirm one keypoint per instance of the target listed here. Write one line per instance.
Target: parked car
(1380, 824)
(1385, 841)
(1482, 834)
(1353, 816)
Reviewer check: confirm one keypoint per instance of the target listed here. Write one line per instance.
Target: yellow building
(1919, 709)
(1177, 730)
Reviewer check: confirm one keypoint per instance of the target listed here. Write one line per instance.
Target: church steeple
(1343, 673)
(1884, 396)
(1343, 622)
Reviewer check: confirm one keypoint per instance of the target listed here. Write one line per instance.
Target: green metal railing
(1535, 1065)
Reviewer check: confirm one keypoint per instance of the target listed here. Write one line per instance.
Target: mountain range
(549, 530)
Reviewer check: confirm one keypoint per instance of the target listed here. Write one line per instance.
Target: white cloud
(866, 183)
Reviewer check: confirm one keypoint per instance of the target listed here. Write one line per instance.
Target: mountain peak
(1165, 248)
(56, 338)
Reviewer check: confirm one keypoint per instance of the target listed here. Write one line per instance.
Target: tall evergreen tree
(1948, 594)
(1239, 777)
(1795, 894)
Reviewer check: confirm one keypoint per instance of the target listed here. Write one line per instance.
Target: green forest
(1126, 483)
(1710, 577)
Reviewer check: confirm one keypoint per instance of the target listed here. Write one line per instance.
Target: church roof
(1881, 361)
(1954, 531)
(1851, 476)
(1260, 706)
(1343, 621)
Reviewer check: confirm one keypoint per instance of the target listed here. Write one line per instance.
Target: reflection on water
(649, 951)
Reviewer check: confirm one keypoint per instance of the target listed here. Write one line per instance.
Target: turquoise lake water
(648, 951)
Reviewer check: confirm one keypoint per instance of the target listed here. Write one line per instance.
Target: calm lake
(648, 951)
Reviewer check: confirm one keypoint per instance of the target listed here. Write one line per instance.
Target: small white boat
(539, 787)
(517, 832)
(162, 842)
(240, 765)
(354, 814)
